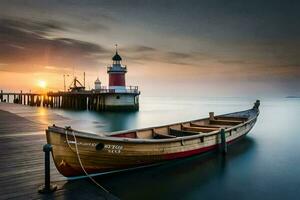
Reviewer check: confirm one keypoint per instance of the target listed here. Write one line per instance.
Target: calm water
(264, 165)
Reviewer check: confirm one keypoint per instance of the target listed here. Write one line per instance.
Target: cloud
(139, 53)
(27, 46)
(234, 62)
(139, 49)
(27, 26)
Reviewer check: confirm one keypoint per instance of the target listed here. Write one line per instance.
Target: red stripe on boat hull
(196, 151)
(189, 153)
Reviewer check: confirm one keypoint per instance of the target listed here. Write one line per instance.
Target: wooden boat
(77, 153)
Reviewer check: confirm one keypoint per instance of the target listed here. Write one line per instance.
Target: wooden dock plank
(22, 162)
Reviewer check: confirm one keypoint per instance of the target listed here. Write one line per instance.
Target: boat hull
(108, 154)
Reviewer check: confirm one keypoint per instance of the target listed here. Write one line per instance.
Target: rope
(79, 160)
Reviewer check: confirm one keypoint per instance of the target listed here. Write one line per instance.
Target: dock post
(67, 101)
(45, 100)
(47, 188)
(52, 102)
(63, 101)
(48, 101)
(59, 102)
(20, 97)
(38, 101)
(33, 100)
(97, 103)
(92, 102)
(223, 142)
(30, 100)
(1, 96)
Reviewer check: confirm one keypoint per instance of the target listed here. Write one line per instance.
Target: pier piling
(20, 97)
(1, 96)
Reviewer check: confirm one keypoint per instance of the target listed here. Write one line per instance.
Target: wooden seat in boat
(157, 135)
(224, 122)
(243, 119)
(199, 129)
(204, 126)
(181, 133)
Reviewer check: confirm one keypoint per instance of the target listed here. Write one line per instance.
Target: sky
(171, 48)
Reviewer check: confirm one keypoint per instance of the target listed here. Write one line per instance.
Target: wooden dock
(22, 138)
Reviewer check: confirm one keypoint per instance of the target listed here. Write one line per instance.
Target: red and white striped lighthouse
(116, 74)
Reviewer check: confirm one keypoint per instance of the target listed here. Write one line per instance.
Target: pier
(27, 98)
(98, 100)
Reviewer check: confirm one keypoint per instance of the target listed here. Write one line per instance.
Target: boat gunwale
(110, 137)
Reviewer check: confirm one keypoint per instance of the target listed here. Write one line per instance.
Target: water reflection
(114, 121)
(177, 178)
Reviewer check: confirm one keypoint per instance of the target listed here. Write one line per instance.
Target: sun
(42, 84)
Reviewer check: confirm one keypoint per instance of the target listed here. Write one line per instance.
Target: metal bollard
(47, 188)
(223, 142)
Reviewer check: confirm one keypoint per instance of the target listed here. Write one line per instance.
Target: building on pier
(97, 84)
(76, 86)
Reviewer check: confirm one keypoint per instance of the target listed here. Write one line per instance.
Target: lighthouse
(117, 95)
(116, 73)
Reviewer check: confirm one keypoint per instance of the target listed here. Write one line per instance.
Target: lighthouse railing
(128, 89)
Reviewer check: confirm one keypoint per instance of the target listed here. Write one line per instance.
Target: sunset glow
(224, 49)
(42, 84)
